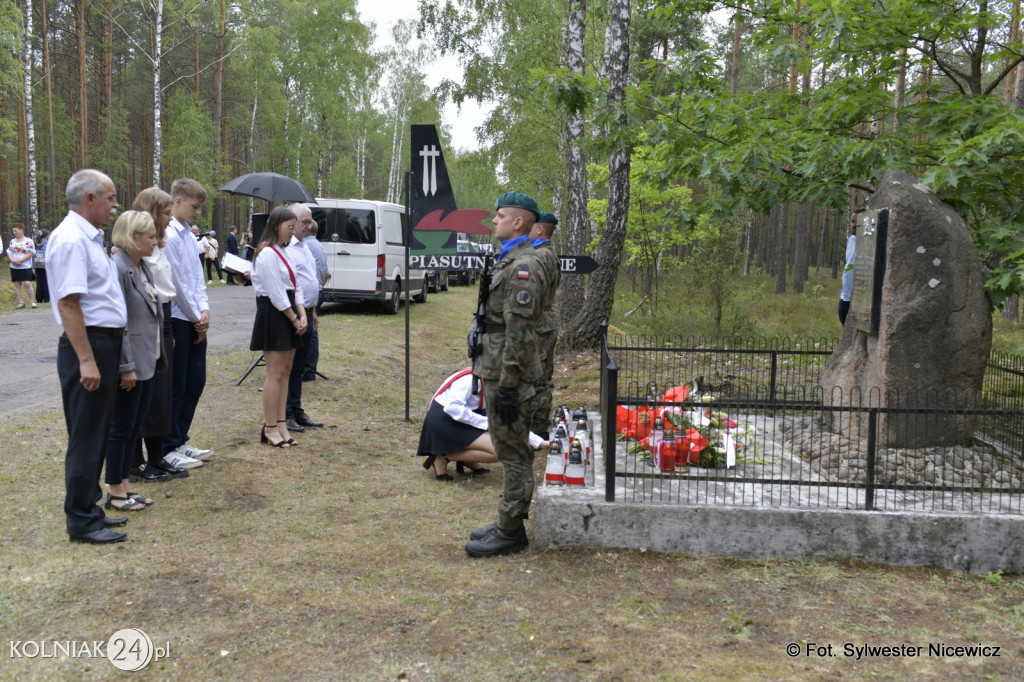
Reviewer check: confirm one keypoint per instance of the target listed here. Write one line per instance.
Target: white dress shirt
(457, 400)
(270, 276)
(77, 263)
(305, 272)
(190, 300)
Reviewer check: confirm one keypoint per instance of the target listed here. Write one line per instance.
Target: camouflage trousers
(540, 406)
(511, 443)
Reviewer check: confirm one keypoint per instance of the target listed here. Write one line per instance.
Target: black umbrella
(269, 186)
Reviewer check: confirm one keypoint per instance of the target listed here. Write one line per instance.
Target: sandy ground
(28, 348)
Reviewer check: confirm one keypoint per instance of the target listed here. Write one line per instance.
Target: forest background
(667, 143)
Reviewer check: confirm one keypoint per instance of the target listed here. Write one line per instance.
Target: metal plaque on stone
(869, 270)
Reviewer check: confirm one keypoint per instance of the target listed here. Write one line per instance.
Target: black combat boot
(481, 533)
(498, 542)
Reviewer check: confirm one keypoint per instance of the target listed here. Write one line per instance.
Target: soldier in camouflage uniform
(547, 327)
(510, 368)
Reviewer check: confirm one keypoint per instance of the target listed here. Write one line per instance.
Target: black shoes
(309, 377)
(497, 542)
(104, 536)
(111, 522)
(294, 426)
(303, 419)
(148, 474)
(174, 471)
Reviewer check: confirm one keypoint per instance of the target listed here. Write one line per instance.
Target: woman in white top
(455, 428)
(157, 422)
(280, 320)
(20, 252)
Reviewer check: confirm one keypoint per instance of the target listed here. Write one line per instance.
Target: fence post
(869, 492)
(775, 369)
(610, 399)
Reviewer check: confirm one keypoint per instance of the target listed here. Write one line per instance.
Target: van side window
(391, 223)
(354, 226)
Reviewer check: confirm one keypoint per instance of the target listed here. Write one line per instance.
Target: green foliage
(188, 139)
(11, 70)
(656, 227)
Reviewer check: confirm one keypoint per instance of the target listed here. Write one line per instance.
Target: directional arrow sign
(570, 265)
(577, 265)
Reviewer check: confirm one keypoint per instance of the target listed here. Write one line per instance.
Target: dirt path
(28, 348)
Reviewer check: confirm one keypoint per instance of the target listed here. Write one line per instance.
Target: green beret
(517, 200)
(546, 217)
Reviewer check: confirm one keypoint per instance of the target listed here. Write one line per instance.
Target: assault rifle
(475, 341)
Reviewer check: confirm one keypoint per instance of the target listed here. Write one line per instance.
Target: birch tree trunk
(49, 115)
(585, 330)
(157, 94)
(577, 222)
(32, 219)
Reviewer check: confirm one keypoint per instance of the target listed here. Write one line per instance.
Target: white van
(365, 246)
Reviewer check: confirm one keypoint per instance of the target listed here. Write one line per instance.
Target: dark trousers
(129, 411)
(188, 379)
(42, 288)
(314, 344)
(87, 416)
(844, 309)
(293, 408)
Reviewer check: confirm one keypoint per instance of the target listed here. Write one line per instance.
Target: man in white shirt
(190, 321)
(309, 289)
(89, 303)
(322, 276)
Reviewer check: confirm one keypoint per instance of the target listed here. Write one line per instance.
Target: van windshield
(350, 225)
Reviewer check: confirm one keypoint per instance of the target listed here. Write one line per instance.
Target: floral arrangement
(703, 437)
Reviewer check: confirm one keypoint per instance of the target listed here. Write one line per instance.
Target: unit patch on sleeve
(523, 297)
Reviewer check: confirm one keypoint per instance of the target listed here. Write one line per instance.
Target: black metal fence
(757, 430)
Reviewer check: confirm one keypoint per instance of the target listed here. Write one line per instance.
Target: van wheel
(390, 304)
(422, 296)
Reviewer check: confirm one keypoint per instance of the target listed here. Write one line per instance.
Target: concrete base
(967, 541)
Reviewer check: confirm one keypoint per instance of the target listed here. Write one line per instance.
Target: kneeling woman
(455, 428)
(280, 320)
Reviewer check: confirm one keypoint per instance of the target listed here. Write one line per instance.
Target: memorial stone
(934, 326)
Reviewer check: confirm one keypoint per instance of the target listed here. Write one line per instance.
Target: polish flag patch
(523, 274)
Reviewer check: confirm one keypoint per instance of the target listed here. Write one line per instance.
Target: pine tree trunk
(83, 98)
(107, 80)
(219, 119)
(781, 247)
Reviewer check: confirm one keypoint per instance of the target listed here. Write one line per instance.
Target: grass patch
(343, 558)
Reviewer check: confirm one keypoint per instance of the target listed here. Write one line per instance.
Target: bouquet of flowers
(704, 438)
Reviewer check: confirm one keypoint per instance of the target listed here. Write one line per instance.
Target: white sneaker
(222, 281)
(194, 453)
(209, 281)
(180, 461)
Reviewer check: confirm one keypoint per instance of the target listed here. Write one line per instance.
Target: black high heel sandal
(291, 441)
(264, 439)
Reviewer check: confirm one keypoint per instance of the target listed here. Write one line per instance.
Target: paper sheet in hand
(233, 263)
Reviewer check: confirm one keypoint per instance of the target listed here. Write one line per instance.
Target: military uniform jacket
(552, 278)
(509, 355)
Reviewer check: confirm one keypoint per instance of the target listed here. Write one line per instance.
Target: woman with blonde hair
(280, 321)
(134, 235)
(157, 422)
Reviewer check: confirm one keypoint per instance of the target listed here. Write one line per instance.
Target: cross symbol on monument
(430, 155)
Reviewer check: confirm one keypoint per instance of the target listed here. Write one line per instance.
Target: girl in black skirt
(455, 428)
(280, 320)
